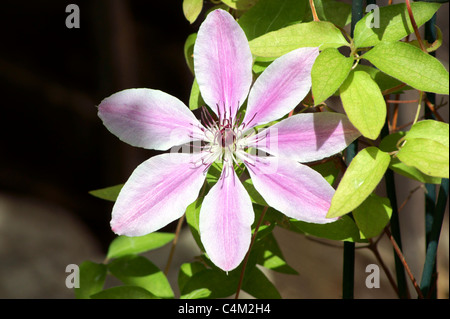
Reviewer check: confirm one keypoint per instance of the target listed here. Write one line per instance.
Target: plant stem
(244, 264)
(414, 25)
(174, 244)
(313, 10)
(403, 260)
(373, 247)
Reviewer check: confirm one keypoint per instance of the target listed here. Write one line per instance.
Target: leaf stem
(405, 264)
(174, 244)
(419, 106)
(373, 248)
(244, 264)
(313, 10)
(414, 25)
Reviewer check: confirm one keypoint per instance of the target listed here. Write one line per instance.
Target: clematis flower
(160, 189)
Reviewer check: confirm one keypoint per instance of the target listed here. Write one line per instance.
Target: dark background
(52, 145)
(54, 149)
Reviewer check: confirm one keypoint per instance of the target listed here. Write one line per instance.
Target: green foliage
(329, 71)
(425, 74)
(108, 193)
(321, 34)
(394, 23)
(389, 144)
(426, 147)
(191, 9)
(123, 245)
(372, 215)
(343, 229)
(141, 272)
(271, 15)
(189, 51)
(336, 12)
(364, 103)
(360, 179)
(92, 279)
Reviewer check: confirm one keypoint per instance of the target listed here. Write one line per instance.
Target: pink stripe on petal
(281, 87)
(149, 118)
(307, 137)
(157, 193)
(292, 188)
(222, 63)
(225, 221)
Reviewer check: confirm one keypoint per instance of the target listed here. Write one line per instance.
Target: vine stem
(313, 10)
(405, 264)
(373, 248)
(244, 265)
(414, 25)
(174, 244)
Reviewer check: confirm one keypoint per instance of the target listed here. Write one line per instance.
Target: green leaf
(328, 170)
(271, 257)
(389, 144)
(336, 12)
(383, 80)
(430, 46)
(431, 130)
(426, 148)
(186, 272)
(428, 156)
(240, 4)
(364, 103)
(141, 272)
(394, 23)
(195, 99)
(254, 195)
(410, 65)
(92, 279)
(197, 294)
(259, 286)
(218, 282)
(124, 292)
(372, 215)
(311, 34)
(342, 229)
(360, 179)
(124, 245)
(271, 15)
(189, 51)
(191, 9)
(108, 193)
(328, 73)
(192, 219)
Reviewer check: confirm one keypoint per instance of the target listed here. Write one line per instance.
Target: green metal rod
(433, 241)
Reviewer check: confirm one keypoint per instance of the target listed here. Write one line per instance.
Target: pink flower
(160, 189)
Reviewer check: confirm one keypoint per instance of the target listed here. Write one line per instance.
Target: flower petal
(157, 193)
(281, 86)
(225, 221)
(222, 63)
(307, 137)
(149, 118)
(292, 188)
